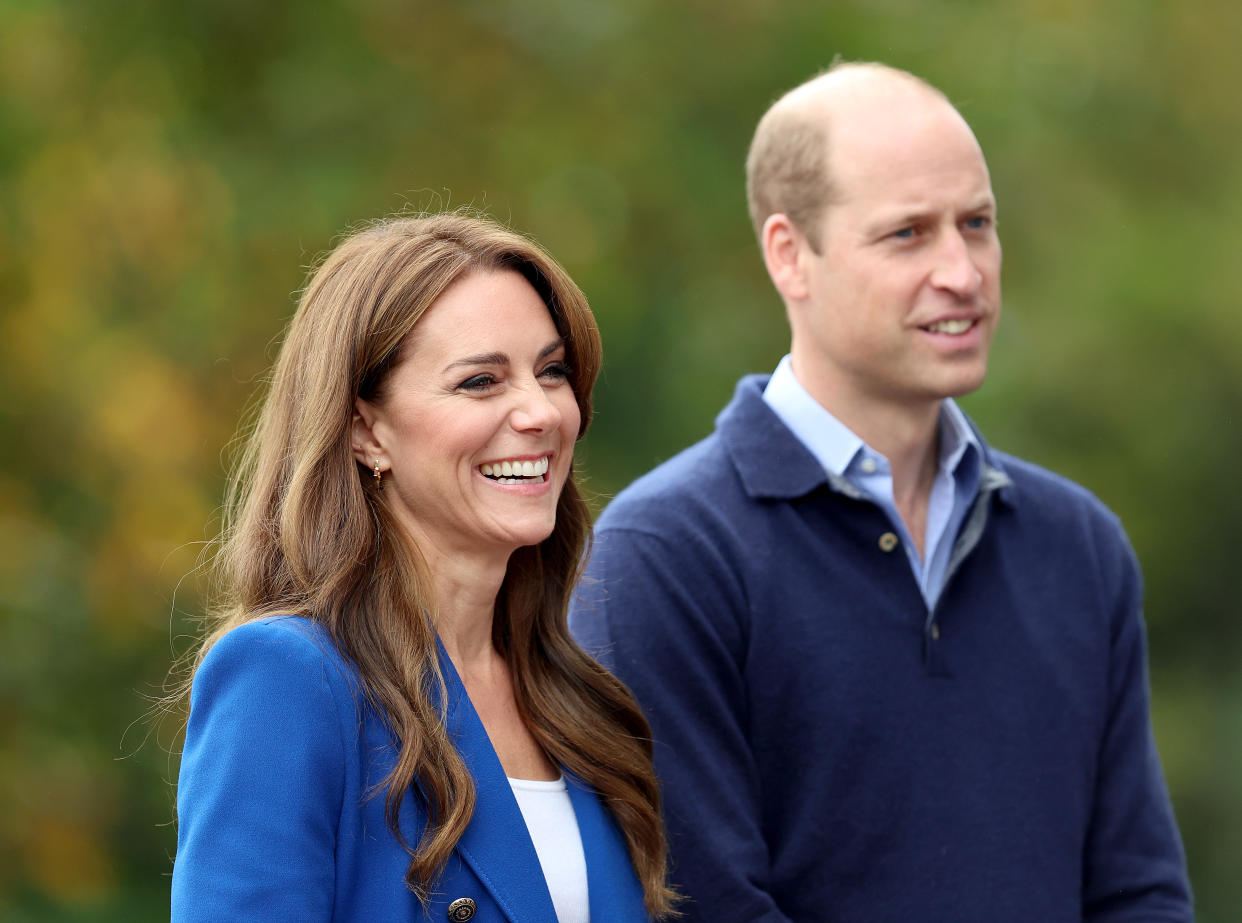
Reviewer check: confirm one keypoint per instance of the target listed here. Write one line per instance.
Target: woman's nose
(534, 411)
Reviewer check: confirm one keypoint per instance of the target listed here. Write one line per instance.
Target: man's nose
(956, 270)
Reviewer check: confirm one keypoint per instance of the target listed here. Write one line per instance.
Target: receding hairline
(787, 166)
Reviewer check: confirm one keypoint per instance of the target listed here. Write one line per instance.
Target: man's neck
(907, 434)
(909, 443)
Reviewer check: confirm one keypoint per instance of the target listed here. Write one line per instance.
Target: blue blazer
(281, 801)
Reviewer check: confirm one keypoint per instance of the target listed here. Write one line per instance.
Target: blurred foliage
(167, 171)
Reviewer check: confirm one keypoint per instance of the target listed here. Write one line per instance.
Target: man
(893, 673)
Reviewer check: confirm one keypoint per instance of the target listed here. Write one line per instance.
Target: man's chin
(963, 382)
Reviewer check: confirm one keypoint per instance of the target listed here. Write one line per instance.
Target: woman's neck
(465, 590)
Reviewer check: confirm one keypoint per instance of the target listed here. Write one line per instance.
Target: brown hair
(306, 531)
(787, 168)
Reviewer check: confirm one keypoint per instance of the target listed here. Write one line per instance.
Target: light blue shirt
(842, 453)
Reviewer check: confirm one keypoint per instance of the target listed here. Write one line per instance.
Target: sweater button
(888, 541)
(461, 910)
(935, 631)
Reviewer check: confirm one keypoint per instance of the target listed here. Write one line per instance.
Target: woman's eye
(557, 371)
(477, 383)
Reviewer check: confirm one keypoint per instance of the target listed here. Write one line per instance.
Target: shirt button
(868, 466)
(461, 910)
(888, 541)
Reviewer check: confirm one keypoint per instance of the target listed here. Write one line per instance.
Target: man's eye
(905, 233)
(978, 223)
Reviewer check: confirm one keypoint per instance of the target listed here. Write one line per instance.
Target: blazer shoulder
(291, 638)
(290, 660)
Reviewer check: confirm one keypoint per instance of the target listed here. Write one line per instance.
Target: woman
(389, 720)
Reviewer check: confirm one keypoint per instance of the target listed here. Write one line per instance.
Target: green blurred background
(168, 170)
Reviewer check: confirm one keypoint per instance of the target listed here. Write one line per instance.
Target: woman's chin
(517, 535)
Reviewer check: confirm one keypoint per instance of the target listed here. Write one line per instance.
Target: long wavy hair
(306, 531)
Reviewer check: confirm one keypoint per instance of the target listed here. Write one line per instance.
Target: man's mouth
(951, 327)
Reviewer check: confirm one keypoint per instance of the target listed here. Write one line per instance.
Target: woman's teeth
(514, 471)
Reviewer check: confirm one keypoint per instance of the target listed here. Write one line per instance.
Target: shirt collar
(827, 438)
(835, 445)
(958, 441)
(772, 462)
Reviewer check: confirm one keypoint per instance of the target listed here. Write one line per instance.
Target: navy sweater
(830, 749)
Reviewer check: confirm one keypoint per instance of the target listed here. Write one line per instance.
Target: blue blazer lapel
(614, 891)
(496, 844)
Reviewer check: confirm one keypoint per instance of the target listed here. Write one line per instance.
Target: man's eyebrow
(501, 358)
(900, 216)
(897, 218)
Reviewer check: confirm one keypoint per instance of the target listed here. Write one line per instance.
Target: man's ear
(362, 437)
(784, 254)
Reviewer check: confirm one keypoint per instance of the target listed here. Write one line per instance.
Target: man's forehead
(904, 148)
(901, 184)
(908, 175)
(910, 138)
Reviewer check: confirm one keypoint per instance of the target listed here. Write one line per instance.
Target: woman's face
(477, 421)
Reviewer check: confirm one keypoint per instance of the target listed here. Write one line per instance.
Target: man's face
(903, 299)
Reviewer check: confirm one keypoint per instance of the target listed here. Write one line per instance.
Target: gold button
(888, 541)
(935, 632)
(461, 910)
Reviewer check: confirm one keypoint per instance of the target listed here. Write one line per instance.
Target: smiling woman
(388, 717)
(472, 495)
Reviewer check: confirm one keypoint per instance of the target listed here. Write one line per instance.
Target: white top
(553, 826)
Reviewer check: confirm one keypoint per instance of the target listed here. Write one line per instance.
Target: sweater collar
(774, 464)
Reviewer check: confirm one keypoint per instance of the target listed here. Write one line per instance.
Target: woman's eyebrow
(480, 359)
(501, 358)
(551, 347)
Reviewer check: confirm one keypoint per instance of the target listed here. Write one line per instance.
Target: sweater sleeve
(1134, 868)
(261, 782)
(668, 614)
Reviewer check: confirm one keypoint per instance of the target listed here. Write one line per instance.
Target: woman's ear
(367, 448)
